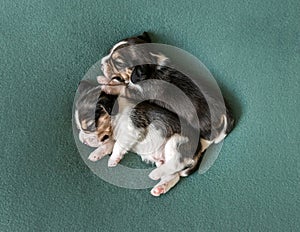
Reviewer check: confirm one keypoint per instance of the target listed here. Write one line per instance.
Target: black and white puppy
(214, 117)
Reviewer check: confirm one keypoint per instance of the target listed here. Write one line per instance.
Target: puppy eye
(119, 79)
(105, 137)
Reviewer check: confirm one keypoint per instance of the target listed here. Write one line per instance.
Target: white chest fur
(146, 142)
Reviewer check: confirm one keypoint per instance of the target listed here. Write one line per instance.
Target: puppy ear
(160, 59)
(109, 103)
(140, 73)
(85, 85)
(145, 36)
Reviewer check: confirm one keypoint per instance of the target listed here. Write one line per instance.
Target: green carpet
(252, 49)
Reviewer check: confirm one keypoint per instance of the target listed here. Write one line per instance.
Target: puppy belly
(150, 154)
(151, 148)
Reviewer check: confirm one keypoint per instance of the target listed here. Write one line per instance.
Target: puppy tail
(223, 133)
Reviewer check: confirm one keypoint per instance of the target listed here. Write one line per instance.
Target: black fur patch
(174, 77)
(146, 113)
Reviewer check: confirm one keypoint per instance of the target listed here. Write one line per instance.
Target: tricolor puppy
(92, 116)
(213, 118)
(151, 131)
(154, 133)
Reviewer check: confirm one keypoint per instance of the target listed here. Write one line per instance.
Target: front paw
(113, 162)
(96, 155)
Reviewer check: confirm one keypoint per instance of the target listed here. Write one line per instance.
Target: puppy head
(143, 38)
(115, 65)
(92, 114)
(119, 64)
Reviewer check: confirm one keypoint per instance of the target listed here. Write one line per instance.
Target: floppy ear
(109, 103)
(140, 73)
(106, 104)
(145, 36)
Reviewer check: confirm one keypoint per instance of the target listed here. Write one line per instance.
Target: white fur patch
(161, 59)
(135, 86)
(205, 144)
(223, 134)
(78, 124)
(105, 58)
(172, 158)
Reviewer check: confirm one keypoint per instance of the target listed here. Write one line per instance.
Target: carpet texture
(251, 47)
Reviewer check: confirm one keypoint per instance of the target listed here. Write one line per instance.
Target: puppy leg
(110, 87)
(172, 162)
(117, 154)
(165, 184)
(126, 138)
(205, 144)
(101, 151)
(168, 168)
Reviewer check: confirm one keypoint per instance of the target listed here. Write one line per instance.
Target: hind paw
(113, 162)
(158, 190)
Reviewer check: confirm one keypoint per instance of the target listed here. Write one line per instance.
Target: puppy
(92, 116)
(145, 128)
(212, 118)
(154, 133)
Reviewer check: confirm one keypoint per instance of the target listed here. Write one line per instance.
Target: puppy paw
(158, 190)
(102, 80)
(98, 154)
(113, 162)
(156, 174)
(95, 156)
(166, 183)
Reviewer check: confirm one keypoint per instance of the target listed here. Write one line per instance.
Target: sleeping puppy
(154, 133)
(145, 128)
(212, 118)
(93, 119)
